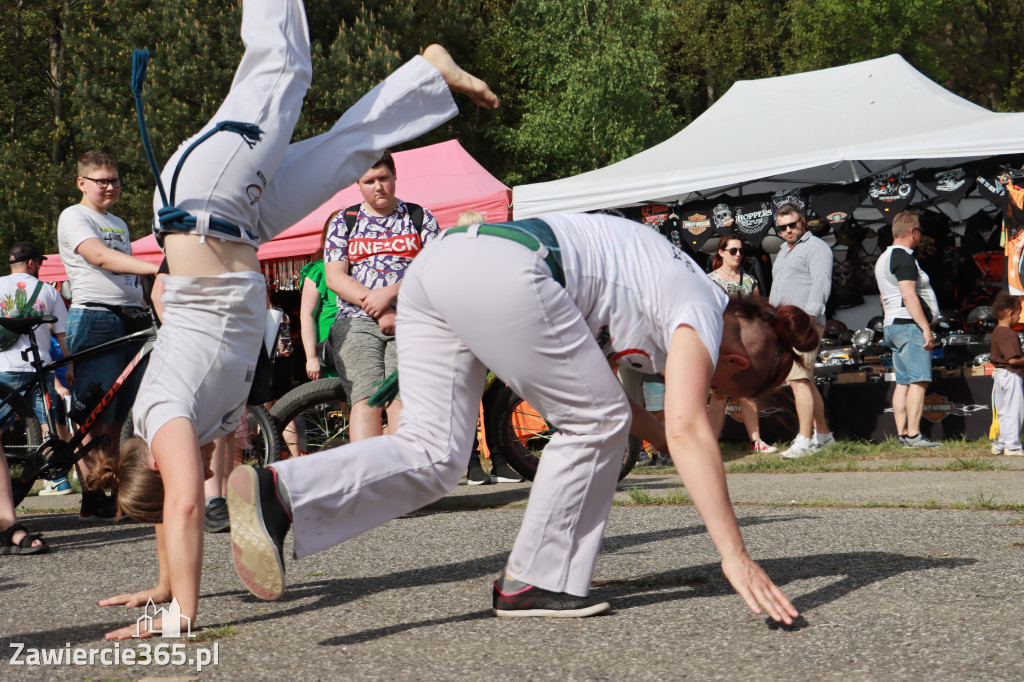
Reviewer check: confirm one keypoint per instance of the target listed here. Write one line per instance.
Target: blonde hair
(469, 218)
(905, 222)
(137, 486)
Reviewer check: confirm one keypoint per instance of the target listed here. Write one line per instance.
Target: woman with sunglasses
(726, 273)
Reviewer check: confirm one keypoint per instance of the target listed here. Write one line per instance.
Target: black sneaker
(503, 473)
(216, 519)
(98, 506)
(533, 602)
(259, 522)
(477, 475)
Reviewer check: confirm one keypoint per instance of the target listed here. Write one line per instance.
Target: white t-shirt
(48, 302)
(635, 288)
(91, 283)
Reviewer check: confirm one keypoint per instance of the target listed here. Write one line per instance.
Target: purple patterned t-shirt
(378, 250)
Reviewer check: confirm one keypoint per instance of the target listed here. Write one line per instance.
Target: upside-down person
(544, 303)
(233, 191)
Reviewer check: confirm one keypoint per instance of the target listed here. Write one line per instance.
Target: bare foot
(459, 80)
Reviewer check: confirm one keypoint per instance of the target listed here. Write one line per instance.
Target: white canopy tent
(837, 125)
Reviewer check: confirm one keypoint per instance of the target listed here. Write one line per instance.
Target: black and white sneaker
(476, 474)
(98, 506)
(533, 602)
(503, 473)
(259, 522)
(216, 519)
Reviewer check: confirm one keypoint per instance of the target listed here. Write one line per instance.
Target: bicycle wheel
(311, 417)
(254, 438)
(518, 432)
(21, 439)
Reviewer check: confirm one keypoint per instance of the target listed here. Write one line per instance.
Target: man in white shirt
(23, 295)
(910, 306)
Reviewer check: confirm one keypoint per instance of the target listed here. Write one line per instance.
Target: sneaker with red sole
(533, 602)
(760, 446)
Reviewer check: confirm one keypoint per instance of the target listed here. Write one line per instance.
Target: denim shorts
(654, 392)
(910, 361)
(87, 327)
(34, 397)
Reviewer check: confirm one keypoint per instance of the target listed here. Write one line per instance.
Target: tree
(582, 83)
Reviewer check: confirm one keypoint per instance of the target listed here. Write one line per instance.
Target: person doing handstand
(233, 192)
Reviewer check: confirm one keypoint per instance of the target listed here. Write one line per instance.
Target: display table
(954, 408)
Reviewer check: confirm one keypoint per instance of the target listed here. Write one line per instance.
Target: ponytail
(137, 487)
(791, 327)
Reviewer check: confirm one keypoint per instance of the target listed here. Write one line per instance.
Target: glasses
(733, 251)
(104, 183)
(789, 226)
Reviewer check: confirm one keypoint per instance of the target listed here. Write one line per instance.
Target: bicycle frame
(59, 463)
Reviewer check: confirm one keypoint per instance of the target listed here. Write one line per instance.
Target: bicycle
(29, 456)
(319, 412)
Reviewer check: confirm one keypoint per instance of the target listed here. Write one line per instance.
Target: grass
(863, 455)
(210, 634)
(644, 497)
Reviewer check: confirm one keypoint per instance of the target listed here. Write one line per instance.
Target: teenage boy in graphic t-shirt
(365, 265)
(97, 253)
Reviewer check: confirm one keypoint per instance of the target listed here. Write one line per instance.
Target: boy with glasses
(97, 253)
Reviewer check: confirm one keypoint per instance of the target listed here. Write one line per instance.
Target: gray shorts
(363, 356)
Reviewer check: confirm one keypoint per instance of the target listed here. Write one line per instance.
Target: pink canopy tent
(442, 177)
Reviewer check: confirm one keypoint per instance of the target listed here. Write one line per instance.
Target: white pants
(266, 189)
(271, 186)
(1008, 398)
(471, 302)
(205, 355)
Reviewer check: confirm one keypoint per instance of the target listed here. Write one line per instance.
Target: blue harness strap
(170, 217)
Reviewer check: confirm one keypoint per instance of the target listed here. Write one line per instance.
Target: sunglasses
(733, 251)
(789, 226)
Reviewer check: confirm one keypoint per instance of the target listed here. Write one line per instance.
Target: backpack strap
(28, 304)
(415, 213)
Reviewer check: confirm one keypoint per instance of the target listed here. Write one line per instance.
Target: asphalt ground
(899, 576)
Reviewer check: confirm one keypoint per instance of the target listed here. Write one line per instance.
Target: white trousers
(471, 302)
(266, 189)
(271, 186)
(1008, 398)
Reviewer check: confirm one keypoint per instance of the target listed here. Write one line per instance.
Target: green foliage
(583, 83)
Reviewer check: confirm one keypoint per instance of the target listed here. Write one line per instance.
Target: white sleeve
(73, 228)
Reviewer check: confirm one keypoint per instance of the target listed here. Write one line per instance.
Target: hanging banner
(952, 184)
(696, 223)
(835, 205)
(753, 219)
(989, 187)
(891, 193)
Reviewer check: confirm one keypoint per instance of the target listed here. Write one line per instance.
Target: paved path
(887, 593)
